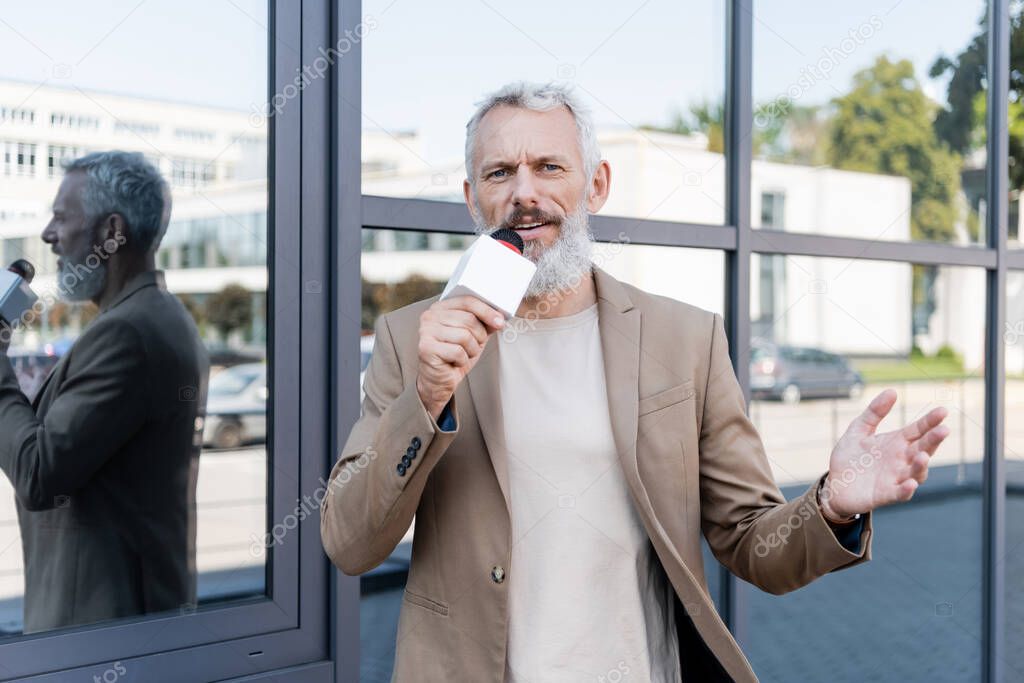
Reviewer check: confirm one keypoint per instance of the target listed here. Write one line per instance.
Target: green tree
(704, 117)
(193, 308)
(782, 130)
(884, 125)
(381, 297)
(229, 309)
(961, 124)
(370, 308)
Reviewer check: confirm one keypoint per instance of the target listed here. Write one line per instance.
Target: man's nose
(525, 189)
(49, 234)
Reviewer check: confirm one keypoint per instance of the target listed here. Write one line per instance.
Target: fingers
(920, 453)
(918, 428)
(905, 490)
(454, 354)
(868, 421)
(491, 317)
(919, 467)
(466, 320)
(462, 337)
(931, 439)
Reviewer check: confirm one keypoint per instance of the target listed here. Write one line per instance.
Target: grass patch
(916, 369)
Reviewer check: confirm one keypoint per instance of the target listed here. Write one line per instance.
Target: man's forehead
(66, 193)
(509, 132)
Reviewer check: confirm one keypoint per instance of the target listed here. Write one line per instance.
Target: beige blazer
(691, 458)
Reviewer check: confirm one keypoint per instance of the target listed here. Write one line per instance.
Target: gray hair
(126, 183)
(538, 97)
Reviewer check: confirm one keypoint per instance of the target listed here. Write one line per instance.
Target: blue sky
(426, 63)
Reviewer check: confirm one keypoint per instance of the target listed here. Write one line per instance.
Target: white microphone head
(493, 272)
(16, 297)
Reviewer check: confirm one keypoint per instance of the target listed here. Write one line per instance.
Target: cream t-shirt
(587, 601)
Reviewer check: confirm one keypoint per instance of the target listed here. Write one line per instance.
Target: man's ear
(599, 187)
(467, 191)
(112, 227)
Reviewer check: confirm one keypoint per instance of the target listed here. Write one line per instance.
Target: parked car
(227, 356)
(792, 373)
(236, 407)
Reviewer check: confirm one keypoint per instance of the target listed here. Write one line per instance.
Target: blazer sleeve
(370, 502)
(99, 406)
(776, 545)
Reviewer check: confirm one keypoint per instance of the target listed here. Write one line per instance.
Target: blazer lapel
(619, 323)
(485, 394)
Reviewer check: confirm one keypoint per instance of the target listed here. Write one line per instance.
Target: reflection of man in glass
(104, 459)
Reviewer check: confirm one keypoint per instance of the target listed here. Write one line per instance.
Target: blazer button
(411, 452)
(497, 574)
(401, 469)
(406, 460)
(416, 443)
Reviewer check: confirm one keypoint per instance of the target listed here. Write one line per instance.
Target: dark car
(790, 373)
(226, 356)
(236, 407)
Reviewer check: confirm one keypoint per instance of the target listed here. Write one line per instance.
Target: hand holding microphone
(484, 291)
(16, 297)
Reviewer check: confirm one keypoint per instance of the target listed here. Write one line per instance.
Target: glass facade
(657, 95)
(862, 131)
(842, 182)
(214, 253)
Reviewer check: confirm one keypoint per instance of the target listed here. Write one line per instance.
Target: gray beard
(564, 264)
(79, 282)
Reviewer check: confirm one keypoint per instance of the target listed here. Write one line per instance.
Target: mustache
(535, 217)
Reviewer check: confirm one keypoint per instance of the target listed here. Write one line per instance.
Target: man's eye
(494, 174)
(552, 167)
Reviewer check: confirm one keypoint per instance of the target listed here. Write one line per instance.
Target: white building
(214, 159)
(664, 176)
(216, 162)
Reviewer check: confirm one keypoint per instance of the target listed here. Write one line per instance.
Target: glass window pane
(830, 334)
(867, 126)
(1015, 117)
(653, 75)
(176, 82)
(1013, 448)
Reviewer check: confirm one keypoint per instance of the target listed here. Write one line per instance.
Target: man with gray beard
(561, 490)
(103, 460)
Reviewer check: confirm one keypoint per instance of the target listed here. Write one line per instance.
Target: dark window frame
(289, 626)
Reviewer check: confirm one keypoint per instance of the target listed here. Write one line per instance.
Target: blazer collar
(619, 326)
(146, 278)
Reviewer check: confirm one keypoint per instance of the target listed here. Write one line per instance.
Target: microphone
(16, 297)
(493, 270)
(26, 270)
(510, 238)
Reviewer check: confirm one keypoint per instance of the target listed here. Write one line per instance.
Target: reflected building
(214, 159)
